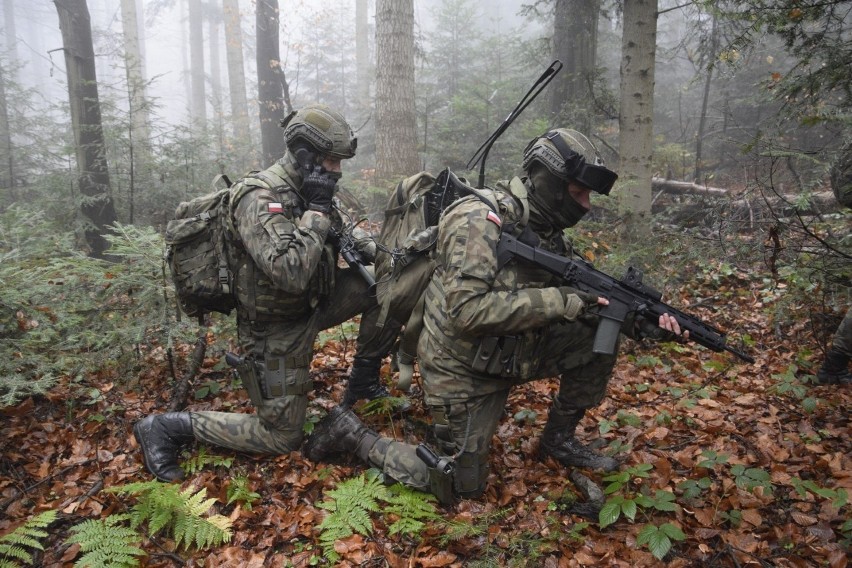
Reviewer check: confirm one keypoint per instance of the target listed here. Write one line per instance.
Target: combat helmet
(570, 156)
(324, 130)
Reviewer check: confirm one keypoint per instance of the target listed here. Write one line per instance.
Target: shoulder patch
(275, 208)
(494, 218)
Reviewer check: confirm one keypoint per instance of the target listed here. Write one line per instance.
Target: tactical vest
(510, 357)
(257, 296)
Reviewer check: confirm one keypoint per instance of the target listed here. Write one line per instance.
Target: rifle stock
(626, 296)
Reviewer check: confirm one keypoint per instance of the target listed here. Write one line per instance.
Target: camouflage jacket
(470, 299)
(283, 263)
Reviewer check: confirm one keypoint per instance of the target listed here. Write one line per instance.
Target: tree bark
(196, 65)
(7, 150)
(636, 118)
(362, 54)
(236, 71)
(575, 37)
(271, 82)
(708, 82)
(93, 175)
(396, 136)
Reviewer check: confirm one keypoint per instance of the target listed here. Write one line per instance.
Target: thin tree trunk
(271, 82)
(575, 37)
(362, 53)
(396, 136)
(10, 31)
(636, 120)
(196, 64)
(236, 71)
(6, 148)
(214, 19)
(93, 175)
(702, 121)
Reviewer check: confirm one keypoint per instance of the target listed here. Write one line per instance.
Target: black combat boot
(341, 431)
(558, 440)
(364, 381)
(161, 437)
(835, 369)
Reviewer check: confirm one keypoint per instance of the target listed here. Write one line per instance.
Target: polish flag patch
(492, 216)
(275, 208)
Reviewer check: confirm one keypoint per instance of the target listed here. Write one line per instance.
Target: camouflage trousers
(466, 407)
(282, 352)
(842, 342)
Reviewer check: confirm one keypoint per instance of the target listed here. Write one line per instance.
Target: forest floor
(753, 460)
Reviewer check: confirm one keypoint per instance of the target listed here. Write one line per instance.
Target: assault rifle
(346, 244)
(626, 296)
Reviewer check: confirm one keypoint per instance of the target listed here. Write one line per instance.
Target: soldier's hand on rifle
(318, 189)
(670, 324)
(577, 302)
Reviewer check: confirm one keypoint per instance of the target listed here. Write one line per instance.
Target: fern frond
(414, 509)
(106, 542)
(239, 490)
(28, 534)
(164, 506)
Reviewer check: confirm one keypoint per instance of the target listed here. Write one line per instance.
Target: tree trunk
(198, 108)
(236, 71)
(362, 54)
(575, 38)
(396, 136)
(636, 120)
(139, 131)
(214, 19)
(97, 206)
(271, 83)
(708, 81)
(7, 156)
(10, 32)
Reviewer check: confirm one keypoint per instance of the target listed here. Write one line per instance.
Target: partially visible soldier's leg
(275, 375)
(352, 297)
(835, 368)
(583, 379)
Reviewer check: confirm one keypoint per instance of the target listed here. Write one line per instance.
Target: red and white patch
(275, 208)
(494, 218)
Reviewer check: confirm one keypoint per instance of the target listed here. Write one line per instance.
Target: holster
(496, 356)
(250, 377)
(268, 379)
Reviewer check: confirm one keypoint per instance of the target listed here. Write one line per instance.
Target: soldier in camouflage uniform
(489, 326)
(288, 288)
(835, 368)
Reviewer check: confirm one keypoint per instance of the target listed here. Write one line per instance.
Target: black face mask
(552, 202)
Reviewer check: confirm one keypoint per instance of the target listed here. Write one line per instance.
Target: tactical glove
(318, 189)
(576, 302)
(650, 329)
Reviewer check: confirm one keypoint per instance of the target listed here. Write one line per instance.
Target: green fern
(350, 504)
(27, 535)
(202, 459)
(412, 507)
(165, 506)
(107, 542)
(239, 490)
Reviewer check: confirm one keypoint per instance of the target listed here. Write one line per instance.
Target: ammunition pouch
(497, 356)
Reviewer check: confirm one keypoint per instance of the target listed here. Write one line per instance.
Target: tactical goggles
(570, 165)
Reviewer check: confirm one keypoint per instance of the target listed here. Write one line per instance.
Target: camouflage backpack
(405, 259)
(197, 254)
